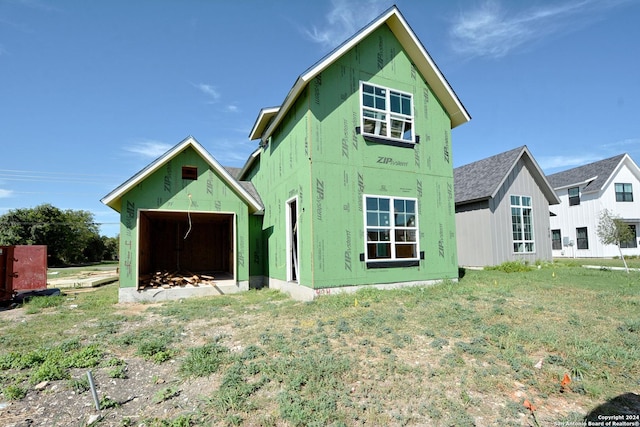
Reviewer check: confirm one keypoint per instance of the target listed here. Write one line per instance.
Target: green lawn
(633, 262)
(452, 354)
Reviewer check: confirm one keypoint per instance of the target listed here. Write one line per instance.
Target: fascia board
(428, 68)
(467, 202)
(633, 168)
(113, 199)
(504, 178)
(265, 115)
(537, 174)
(541, 178)
(577, 184)
(247, 165)
(445, 94)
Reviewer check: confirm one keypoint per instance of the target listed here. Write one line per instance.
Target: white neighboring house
(612, 184)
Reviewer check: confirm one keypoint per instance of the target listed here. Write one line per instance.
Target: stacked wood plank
(168, 279)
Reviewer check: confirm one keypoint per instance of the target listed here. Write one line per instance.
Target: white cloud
(633, 142)
(565, 162)
(208, 90)
(148, 148)
(491, 30)
(231, 109)
(5, 193)
(344, 19)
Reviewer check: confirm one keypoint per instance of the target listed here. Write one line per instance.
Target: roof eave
(265, 115)
(113, 199)
(403, 32)
(474, 200)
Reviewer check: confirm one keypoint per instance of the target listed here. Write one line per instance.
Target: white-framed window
(624, 192)
(391, 228)
(522, 224)
(574, 196)
(386, 113)
(582, 238)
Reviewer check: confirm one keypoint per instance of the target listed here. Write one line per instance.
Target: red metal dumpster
(22, 268)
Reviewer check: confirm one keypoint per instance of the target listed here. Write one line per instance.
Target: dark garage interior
(186, 243)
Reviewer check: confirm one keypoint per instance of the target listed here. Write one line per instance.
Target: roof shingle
(600, 170)
(479, 180)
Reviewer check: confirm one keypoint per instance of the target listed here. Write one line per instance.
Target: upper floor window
(624, 193)
(391, 226)
(574, 196)
(522, 224)
(387, 113)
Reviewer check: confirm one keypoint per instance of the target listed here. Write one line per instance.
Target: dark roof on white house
(482, 179)
(594, 175)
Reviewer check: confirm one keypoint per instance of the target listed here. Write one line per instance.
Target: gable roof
(244, 189)
(481, 180)
(595, 175)
(269, 119)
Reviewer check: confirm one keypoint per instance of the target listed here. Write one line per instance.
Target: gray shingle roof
(600, 170)
(479, 180)
(234, 172)
(248, 186)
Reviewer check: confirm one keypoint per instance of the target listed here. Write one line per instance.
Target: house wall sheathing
(165, 191)
(317, 155)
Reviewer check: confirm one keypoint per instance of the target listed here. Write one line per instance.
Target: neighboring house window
(574, 196)
(633, 243)
(556, 239)
(582, 239)
(522, 224)
(624, 193)
(387, 113)
(391, 228)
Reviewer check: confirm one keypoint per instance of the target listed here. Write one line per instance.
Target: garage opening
(185, 248)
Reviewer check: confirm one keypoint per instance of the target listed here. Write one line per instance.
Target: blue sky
(93, 91)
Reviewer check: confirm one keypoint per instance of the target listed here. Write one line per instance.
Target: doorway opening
(293, 265)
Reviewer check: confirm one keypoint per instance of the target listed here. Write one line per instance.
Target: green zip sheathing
(165, 192)
(317, 155)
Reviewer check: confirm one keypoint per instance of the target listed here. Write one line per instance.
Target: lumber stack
(169, 279)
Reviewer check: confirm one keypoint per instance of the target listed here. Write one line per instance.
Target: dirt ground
(131, 400)
(157, 392)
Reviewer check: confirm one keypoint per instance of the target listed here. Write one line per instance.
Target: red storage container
(22, 268)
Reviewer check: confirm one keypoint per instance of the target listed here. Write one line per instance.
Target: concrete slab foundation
(162, 294)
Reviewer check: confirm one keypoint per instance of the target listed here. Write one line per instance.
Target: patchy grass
(453, 354)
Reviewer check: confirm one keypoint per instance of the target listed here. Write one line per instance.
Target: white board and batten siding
(587, 214)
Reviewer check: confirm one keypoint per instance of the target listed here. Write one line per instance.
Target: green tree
(69, 235)
(111, 248)
(612, 230)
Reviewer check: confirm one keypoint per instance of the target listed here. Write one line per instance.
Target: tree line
(71, 236)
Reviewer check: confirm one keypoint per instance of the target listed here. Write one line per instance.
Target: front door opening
(292, 240)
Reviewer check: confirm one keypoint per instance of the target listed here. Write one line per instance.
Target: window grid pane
(387, 113)
(624, 192)
(522, 224)
(556, 239)
(582, 238)
(387, 239)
